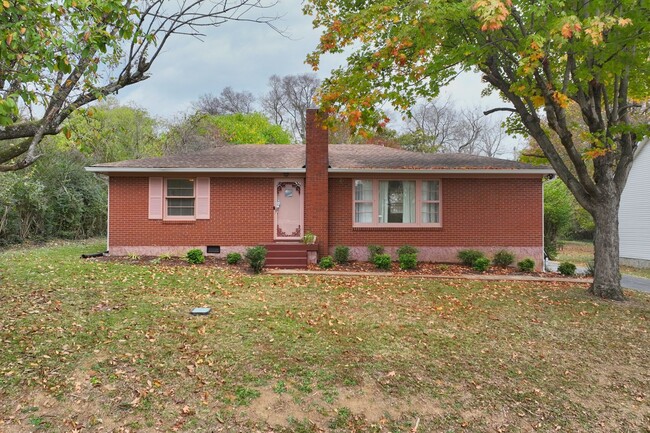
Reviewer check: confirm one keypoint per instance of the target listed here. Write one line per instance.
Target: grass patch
(637, 272)
(576, 252)
(580, 253)
(89, 344)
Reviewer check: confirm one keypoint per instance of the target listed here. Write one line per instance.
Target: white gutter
(191, 170)
(331, 170)
(544, 171)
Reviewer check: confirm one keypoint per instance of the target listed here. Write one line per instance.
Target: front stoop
(286, 255)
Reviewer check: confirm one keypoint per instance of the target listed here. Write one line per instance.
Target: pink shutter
(155, 198)
(203, 198)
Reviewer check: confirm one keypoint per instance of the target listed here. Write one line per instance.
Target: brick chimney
(317, 179)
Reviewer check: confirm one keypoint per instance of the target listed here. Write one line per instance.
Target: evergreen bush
(256, 257)
(341, 254)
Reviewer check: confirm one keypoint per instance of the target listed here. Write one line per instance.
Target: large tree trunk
(607, 276)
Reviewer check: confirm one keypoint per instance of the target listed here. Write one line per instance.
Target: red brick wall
(475, 212)
(316, 179)
(241, 213)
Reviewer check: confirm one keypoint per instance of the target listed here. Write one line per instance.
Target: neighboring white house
(634, 213)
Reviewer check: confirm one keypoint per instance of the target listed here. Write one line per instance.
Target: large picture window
(179, 195)
(397, 202)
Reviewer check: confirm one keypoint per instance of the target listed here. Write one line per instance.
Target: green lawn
(101, 346)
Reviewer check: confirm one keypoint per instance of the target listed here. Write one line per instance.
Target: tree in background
(252, 128)
(537, 55)
(438, 126)
(557, 215)
(58, 56)
(288, 99)
(201, 132)
(108, 132)
(228, 102)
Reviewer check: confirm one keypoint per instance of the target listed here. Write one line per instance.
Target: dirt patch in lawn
(367, 400)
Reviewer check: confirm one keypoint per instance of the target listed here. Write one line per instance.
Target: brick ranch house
(238, 196)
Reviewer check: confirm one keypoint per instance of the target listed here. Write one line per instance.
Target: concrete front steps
(286, 255)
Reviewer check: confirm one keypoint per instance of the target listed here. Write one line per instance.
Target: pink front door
(289, 209)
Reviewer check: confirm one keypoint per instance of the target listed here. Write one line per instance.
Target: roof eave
(514, 171)
(95, 169)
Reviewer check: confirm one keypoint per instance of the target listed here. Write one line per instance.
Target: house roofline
(191, 170)
(544, 171)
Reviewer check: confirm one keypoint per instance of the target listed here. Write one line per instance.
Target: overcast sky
(244, 55)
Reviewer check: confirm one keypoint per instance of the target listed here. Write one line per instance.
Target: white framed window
(363, 198)
(179, 198)
(397, 202)
(430, 202)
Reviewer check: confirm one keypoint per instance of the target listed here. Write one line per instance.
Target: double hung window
(179, 198)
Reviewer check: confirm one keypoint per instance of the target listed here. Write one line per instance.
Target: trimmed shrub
(406, 249)
(256, 257)
(567, 268)
(526, 265)
(341, 254)
(503, 258)
(408, 261)
(233, 258)
(326, 262)
(195, 256)
(468, 257)
(382, 261)
(374, 250)
(481, 264)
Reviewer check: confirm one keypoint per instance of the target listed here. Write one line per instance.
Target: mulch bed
(424, 268)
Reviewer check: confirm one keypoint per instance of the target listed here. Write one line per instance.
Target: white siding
(634, 213)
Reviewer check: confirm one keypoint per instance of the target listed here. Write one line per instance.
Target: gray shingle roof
(360, 157)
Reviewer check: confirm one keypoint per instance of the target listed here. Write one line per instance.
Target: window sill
(192, 221)
(396, 228)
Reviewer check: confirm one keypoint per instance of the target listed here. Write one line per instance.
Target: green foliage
(165, 256)
(111, 132)
(256, 257)
(374, 250)
(326, 262)
(567, 268)
(195, 256)
(233, 258)
(504, 258)
(252, 128)
(133, 256)
(481, 264)
(406, 249)
(309, 238)
(408, 261)
(468, 257)
(382, 261)
(557, 214)
(526, 265)
(590, 269)
(55, 197)
(341, 254)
